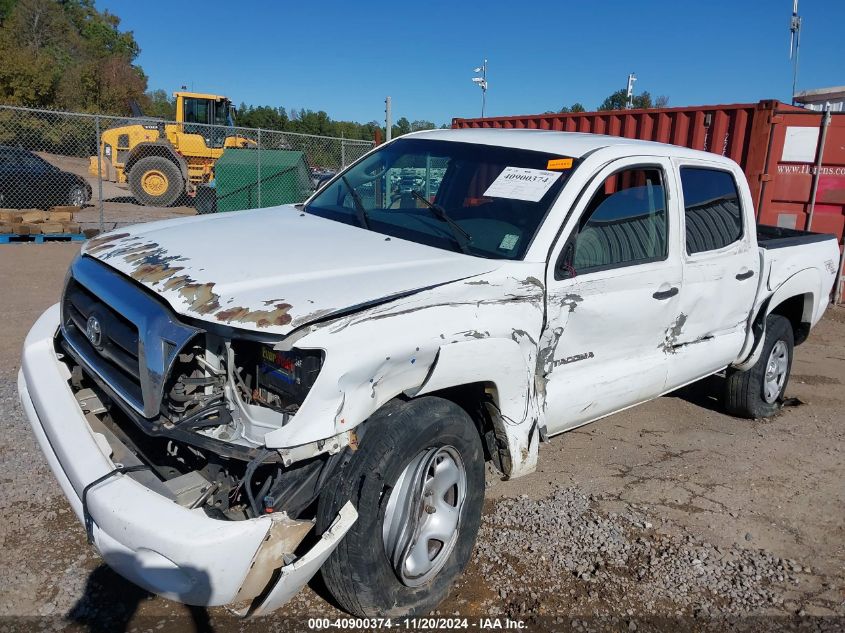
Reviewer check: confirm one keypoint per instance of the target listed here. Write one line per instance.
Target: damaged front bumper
(170, 550)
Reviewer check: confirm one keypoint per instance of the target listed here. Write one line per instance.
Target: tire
(758, 392)
(360, 574)
(156, 181)
(77, 196)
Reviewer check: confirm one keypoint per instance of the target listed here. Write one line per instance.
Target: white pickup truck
(233, 402)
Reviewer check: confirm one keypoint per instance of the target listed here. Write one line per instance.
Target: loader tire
(156, 181)
(758, 392)
(417, 481)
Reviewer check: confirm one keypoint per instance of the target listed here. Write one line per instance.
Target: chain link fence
(64, 173)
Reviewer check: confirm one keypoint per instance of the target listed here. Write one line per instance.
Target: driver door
(613, 295)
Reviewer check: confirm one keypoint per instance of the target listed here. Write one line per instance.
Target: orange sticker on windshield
(560, 163)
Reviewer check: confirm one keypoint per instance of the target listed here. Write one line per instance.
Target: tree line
(617, 101)
(67, 55)
(301, 120)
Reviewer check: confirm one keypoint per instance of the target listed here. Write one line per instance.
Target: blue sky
(344, 57)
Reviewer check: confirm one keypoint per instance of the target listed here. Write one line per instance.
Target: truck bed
(770, 237)
(788, 252)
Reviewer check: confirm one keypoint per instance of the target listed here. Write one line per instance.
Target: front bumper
(165, 548)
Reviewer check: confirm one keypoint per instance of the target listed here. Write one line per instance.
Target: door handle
(746, 275)
(665, 294)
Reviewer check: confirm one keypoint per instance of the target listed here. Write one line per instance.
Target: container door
(721, 271)
(613, 292)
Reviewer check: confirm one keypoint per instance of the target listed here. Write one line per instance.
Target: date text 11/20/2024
(423, 623)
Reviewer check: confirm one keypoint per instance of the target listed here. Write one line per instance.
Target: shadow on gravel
(706, 393)
(123, 200)
(183, 201)
(709, 393)
(110, 603)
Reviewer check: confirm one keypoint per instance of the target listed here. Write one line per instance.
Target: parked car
(321, 176)
(233, 402)
(29, 181)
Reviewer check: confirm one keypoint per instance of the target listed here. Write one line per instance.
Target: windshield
(488, 201)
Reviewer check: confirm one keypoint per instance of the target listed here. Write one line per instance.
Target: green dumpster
(283, 175)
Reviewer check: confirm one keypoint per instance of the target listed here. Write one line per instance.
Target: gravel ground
(669, 516)
(607, 563)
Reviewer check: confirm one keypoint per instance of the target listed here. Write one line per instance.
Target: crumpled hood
(272, 270)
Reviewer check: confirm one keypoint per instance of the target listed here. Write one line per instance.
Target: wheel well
(798, 311)
(145, 150)
(480, 401)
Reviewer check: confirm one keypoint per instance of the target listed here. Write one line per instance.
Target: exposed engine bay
(236, 391)
(204, 449)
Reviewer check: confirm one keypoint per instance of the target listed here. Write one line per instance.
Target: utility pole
(481, 82)
(388, 121)
(794, 44)
(629, 92)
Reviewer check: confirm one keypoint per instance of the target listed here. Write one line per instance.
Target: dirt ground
(774, 488)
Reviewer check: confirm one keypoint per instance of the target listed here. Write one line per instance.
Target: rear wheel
(156, 181)
(418, 484)
(758, 392)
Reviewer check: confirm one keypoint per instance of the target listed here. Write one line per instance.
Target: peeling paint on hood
(273, 270)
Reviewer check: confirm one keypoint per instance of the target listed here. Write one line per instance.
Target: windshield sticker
(559, 163)
(509, 242)
(522, 183)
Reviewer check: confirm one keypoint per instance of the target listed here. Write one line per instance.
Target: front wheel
(417, 481)
(156, 181)
(758, 392)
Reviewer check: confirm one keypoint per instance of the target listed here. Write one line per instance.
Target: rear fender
(806, 282)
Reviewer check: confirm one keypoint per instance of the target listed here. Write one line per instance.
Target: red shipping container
(787, 152)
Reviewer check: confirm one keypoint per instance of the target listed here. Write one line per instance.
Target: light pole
(388, 119)
(629, 92)
(481, 82)
(794, 45)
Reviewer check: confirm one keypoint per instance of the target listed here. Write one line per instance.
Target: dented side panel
(422, 343)
(718, 295)
(608, 338)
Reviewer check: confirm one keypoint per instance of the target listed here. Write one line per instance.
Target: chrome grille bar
(134, 363)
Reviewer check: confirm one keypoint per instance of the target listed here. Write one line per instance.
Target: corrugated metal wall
(777, 145)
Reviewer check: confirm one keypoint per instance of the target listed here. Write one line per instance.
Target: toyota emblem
(94, 331)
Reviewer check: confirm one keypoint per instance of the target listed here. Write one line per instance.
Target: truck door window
(712, 213)
(624, 224)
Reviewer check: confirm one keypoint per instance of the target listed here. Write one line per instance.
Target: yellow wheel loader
(162, 160)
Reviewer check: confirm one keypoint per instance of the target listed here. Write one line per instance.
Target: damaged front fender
(453, 335)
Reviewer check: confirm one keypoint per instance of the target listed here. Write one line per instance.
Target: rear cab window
(712, 209)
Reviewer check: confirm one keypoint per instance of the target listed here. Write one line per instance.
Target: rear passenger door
(721, 270)
(613, 289)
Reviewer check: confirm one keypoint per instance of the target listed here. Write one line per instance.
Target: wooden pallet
(40, 238)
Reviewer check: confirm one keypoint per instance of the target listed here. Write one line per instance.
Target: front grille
(118, 345)
(120, 333)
